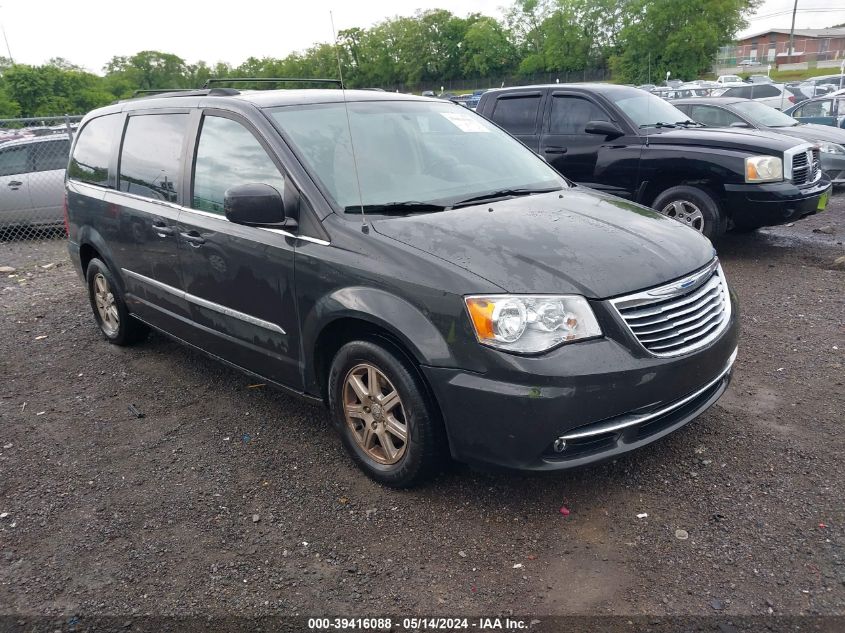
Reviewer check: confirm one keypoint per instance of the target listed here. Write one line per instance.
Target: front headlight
(831, 148)
(763, 169)
(531, 323)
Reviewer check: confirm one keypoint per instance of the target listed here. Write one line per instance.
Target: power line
(787, 12)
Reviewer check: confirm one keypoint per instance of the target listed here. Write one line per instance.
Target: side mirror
(256, 204)
(604, 128)
(740, 124)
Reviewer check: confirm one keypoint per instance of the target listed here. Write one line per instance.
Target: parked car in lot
(808, 90)
(750, 61)
(728, 80)
(827, 110)
(32, 173)
(682, 92)
(748, 114)
(627, 142)
(472, 102)
(477, 306)
(829, 82)
(774, 95)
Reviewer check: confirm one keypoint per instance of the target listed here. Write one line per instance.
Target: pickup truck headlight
(831, 148)
(763, 169)
(530, 324)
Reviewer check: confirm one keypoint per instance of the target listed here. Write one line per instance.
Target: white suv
(774, 95)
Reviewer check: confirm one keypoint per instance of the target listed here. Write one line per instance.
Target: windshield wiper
(501, 193)
(658, 124)
(689, 122)
(396, 208)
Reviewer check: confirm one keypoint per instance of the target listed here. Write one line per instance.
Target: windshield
(761, 114)
(646, 109)
(411, 155)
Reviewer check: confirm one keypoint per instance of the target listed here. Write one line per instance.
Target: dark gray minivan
(403, 260)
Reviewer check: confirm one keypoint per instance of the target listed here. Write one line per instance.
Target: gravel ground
(226, 499)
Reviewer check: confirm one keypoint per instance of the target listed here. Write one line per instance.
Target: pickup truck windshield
(648, 110)
(412, 156)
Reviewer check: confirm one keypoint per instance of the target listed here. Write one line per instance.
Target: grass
(781, 76)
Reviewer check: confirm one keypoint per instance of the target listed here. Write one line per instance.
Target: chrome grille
(806, 166)
(679, 317)
(800, 168)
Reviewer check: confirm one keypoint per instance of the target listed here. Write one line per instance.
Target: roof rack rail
(156, 91)
(218, 80)
(185, 92)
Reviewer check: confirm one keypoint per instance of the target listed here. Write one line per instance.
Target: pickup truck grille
(680, 317)
(806, 167)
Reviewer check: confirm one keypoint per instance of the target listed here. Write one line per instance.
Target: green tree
(49, 90)
(681, 36)
(148, 70)
(486, 49)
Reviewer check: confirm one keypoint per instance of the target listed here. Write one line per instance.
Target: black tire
(127, 330)
(426, 448)
(714, 221)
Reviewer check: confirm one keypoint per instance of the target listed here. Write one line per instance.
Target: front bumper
(598, 395)
(751, 206)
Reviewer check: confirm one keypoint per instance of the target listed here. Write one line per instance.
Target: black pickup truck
(630, 143)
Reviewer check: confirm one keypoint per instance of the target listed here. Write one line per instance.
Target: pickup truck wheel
(693, 207)
(383, 415)
(109, 308)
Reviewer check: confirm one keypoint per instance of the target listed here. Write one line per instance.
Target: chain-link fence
(33, 158)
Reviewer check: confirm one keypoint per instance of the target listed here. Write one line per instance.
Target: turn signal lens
(530, 324)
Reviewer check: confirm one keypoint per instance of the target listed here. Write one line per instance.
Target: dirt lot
(226, 499)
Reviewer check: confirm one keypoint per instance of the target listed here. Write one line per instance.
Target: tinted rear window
(151, 155)
(90, 162)
(518, 115)
(50, 155)
(764, 90)
(743, 92)
(14, 160)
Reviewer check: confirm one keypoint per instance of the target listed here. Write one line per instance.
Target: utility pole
(792, 32)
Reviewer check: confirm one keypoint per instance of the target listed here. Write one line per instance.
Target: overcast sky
(90, 32)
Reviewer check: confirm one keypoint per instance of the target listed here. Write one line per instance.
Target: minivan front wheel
(109, 308)
(692, 207)
(383, 414)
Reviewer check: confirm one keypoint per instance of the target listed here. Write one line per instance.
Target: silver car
(32, 173)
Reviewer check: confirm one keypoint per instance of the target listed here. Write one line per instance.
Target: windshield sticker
(464, 122)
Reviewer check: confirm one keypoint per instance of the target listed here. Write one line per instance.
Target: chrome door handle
(162, 230)
(193, 238)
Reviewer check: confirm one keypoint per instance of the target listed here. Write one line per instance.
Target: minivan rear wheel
(109, 308)
(693, 207)
(384, 416)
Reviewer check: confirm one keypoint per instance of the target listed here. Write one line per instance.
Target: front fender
(404, 321)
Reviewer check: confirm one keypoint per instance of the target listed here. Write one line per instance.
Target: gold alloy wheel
(374, 413)
(106, 307)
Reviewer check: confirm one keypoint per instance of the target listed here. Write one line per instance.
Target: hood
(580, 242)
(725, 138)
(812, 133)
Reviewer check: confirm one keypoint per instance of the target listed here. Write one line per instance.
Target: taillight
(67, 219)
(791, 98)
